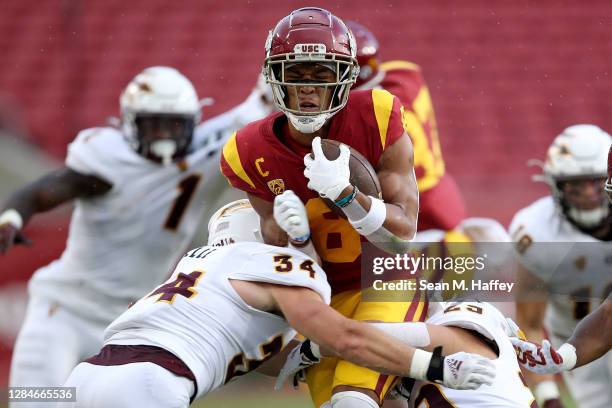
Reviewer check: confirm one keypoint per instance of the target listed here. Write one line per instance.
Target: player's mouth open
(309, 106)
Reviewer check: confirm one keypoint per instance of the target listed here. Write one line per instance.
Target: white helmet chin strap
(164, 149)
(308, 124)
(588, 218)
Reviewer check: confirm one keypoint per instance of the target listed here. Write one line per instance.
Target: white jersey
(573, 265)
(508, 388)
(125, 242)
(198, 316)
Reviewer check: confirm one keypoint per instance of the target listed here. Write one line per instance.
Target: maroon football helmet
(367, 52)
(608, 186)
(311, 35)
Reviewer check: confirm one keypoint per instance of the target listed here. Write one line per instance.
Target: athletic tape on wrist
(568, 353)
(420, 364)
(11, 216)
(373, 220)
(546, 390)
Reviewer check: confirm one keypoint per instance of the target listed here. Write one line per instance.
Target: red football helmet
(367, 53)
(608, 187)
(314, 36)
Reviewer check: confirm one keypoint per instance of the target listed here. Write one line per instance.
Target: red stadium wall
(505, 77)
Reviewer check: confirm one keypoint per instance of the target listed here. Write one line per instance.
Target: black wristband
(435, 372)
(307, 351)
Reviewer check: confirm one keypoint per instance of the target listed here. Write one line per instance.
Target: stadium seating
(505, 78)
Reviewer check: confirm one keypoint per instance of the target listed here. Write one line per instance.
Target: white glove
(466, 371)
(513, 330)
(544, 359)
(290, 214)
(460, 371)
(327, 177)
(302, 356)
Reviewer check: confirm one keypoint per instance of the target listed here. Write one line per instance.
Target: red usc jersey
(441, 204)
(404, 80)
(255, 160)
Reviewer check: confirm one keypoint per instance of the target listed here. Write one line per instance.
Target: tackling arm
(593, 335)
(590, 341)
(45, 194)
(530, 318)
(362, 344)
(345, 338)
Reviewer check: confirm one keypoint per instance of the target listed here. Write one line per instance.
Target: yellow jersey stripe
(231, 156)
(418, 314)
(383, 106)
(389, 65)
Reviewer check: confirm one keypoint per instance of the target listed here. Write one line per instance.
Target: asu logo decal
(277, 186)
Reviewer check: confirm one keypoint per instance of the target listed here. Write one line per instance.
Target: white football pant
(52, 340)
(133, 385)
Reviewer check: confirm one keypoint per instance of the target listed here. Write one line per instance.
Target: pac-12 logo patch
(277, 186)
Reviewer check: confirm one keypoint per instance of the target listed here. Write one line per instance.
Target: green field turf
(257, 391)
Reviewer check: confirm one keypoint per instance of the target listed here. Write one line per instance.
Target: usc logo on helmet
(310, 48)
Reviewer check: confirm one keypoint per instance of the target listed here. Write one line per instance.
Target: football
(363, 174)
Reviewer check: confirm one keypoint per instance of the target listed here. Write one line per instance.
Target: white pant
(52, 340)
(133, 385)
(591, 384)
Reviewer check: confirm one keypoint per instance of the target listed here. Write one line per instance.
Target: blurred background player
(138, 192)
(564, 244)
(590, 340)
(310, 64)
(440, 203)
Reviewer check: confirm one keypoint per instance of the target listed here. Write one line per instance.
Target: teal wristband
(344, 201)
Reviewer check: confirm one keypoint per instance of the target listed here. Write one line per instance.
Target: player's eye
(325, 76)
